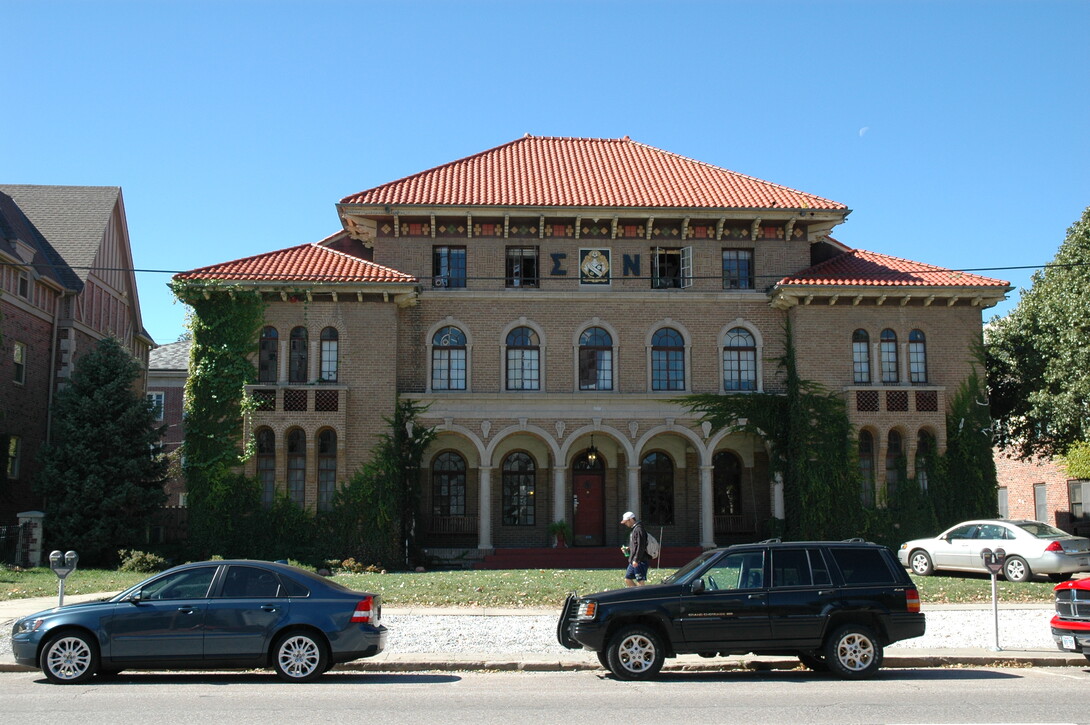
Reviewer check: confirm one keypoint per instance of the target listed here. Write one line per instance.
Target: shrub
(140, 561)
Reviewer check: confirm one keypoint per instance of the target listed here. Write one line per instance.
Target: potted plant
(562, 531)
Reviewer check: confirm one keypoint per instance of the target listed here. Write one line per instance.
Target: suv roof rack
(855, 540)
(771, 541)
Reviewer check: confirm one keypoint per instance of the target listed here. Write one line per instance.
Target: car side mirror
(697, 587)
(137, 596)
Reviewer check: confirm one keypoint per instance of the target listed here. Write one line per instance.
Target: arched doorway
(589, 498)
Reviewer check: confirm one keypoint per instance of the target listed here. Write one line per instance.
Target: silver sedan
(1031, 547)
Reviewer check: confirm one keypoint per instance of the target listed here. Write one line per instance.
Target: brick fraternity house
(549, 300)
(1040, 489)
(66, 281)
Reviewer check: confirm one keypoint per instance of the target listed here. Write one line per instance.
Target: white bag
(653, 547)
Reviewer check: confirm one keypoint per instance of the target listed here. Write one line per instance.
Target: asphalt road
(955, 695)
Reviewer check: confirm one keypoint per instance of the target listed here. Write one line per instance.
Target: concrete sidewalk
(392, 661)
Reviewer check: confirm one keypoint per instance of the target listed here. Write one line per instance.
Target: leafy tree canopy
(1038, 359)
(102, 474)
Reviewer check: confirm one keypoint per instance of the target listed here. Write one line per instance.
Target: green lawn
(510, 588)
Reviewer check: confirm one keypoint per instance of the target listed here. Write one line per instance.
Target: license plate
(1084, 562)
(1067, 642)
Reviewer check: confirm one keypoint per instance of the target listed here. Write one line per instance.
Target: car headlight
(30, 625)
(587, 609)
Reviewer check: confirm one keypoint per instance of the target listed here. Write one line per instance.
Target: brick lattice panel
(897, 400)
(265, 399)
(927, 401)
(326, 400)
(295, 400)
(866, 401)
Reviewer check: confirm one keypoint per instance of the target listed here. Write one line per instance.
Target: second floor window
(523, 360)
(157, 399)
(887, 349)
(448, 267)
(448, 359)
(330, 341)
(667, 360)
(671, 267)
(737, 269)
(917, 357)
(268, 355)
(521, 267)
(19, 359)
(595, 360)
(297, 356)
(739, 360)
(860, 357)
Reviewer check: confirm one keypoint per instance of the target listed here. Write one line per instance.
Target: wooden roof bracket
(578, 223)
(469, 225)
(506, 225)
(856, 300)
(433, 226)
(754, 228)
(684, 229)
(397, 226)
(789, 229)
(833, 299)
(719, 228)
(541, 227)
(613, 231)
(650, 226)
(927, 302)
(881, 300)
(952, 301)
(905, 300)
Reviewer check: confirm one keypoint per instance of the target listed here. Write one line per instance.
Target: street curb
(789, 663)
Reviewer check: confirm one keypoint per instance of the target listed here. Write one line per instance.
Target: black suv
(832, 604)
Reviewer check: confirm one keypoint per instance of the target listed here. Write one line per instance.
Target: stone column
(707, 508)
(484, 508)
(634, 490)
(282, 362)
(560, 493)
(313, 361)
(777, 496)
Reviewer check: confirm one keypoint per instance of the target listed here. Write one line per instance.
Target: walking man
(636, 573)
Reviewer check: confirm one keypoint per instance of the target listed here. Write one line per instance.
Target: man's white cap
(627, 515)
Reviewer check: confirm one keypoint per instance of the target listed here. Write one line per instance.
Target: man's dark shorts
(637, 572)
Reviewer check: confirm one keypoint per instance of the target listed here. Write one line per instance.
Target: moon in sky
(863, 131)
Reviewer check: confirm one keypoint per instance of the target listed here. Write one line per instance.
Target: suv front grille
(1073, 604)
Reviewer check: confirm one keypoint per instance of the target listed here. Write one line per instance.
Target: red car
(1071, 625)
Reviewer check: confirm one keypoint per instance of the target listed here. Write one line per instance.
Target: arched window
(518, 490)
(917, 357)
(667, 360)
(327, 468)
(297, 355)
(523, 360)
(657, 489)
(266, 465)
(268, 355)
(861, 357)
(925, 457)
(739, 360)
(297, 466)
(330, 339)
(726, 484)
(866, 468)
(448, 485)
(887, 350)
(595, 359)
(894, 455)
(448, 359)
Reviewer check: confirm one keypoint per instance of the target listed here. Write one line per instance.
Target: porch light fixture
(592, 452)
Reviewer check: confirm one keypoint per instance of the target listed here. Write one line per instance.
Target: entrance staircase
(580, 557)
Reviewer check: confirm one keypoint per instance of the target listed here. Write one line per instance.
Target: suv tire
(813, 661)
(853, 652)
(635, 653)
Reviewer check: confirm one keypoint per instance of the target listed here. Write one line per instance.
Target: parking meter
(62, 565)
(993, 562)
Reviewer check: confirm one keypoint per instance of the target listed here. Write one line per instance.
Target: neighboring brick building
(66, 281)
(168, 367)
(1040, 489)
(549, 299)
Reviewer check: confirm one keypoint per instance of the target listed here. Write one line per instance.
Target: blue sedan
(207, 615)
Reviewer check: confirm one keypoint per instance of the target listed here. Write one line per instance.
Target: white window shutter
(686, 267)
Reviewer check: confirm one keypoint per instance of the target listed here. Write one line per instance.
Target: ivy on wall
(814, 448)
(224, 325)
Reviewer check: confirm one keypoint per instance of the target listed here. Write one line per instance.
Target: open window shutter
(656, 274)
(686, 266)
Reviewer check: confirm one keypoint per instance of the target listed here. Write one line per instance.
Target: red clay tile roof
(586, 172)
(305, 263)
(859, 267)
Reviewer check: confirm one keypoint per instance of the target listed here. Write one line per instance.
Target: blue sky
(957, 132)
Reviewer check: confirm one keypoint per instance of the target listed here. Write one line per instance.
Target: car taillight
(364, 613)
(912, 600)
(1054, 546)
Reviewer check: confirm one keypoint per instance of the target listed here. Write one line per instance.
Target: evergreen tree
(1038, 359)
(102, 473)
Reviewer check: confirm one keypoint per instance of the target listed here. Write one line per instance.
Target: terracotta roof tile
(305, 263)
(859, 267)
(586, 172)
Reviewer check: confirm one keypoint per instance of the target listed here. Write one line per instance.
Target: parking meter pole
(993, 562)
(995, 610)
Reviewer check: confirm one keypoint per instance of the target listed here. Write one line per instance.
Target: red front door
(589, 502)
